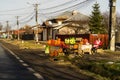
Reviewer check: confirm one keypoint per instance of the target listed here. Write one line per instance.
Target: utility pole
(112, 24)
(37, 26)
(36, 30)
(7, 29)
(18, 34)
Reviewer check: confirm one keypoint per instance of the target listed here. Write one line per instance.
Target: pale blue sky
(9, 9)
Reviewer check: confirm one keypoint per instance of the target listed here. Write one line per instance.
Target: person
(97, 44)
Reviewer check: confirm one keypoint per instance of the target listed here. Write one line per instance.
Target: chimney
(74, 12)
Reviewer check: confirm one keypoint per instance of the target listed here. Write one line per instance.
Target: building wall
(44, 34)
(118, 37)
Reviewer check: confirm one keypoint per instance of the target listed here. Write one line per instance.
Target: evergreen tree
(96, 21)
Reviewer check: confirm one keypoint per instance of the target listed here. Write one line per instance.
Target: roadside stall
(78, 46)
(68, 46)
(55, 47)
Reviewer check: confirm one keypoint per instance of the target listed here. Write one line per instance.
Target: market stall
(68, 46)
(55, 47)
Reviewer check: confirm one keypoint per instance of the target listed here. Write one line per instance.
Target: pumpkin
(55, 42)
(60, 50)
(59, 39)
(49, 42)
(75, 46)
(52, 42)
(54, 53)
(58, 42)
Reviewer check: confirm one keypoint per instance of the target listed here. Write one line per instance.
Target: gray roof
(70, 17)
(66, 14)
(78, 17)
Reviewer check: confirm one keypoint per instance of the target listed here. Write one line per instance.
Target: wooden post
(112, 25)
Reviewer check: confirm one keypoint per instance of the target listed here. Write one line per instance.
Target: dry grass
(29, 44)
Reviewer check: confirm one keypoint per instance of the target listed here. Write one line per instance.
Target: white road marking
(38, 76)
(24, 64)
(31, 69)
(21, 61)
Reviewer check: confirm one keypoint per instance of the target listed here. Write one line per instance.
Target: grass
(110, 70)
(29, 44)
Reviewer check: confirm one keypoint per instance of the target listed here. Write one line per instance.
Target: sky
(25, 9)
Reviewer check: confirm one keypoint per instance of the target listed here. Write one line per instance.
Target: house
(66, 23)
(48, 28)
(77, 23)
(31, 31)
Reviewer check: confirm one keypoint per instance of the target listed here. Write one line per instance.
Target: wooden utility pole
(36, 32)
(37, 26)
(18, 28)
(7, 29)
(112, 24)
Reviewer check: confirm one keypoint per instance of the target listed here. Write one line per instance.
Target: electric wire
(16, 9)
(59, 5)
(14, 14)
(52, 12)
(22, 22)
(25, 17)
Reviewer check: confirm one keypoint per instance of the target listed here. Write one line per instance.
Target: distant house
(28, 32)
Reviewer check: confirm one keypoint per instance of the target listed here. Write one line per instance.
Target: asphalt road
(12, 69)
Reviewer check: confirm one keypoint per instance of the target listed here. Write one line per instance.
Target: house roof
(70, 16)
(78, 17)
(64, 15)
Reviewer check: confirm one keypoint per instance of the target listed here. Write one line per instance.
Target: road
(12, 69)
(50, 70)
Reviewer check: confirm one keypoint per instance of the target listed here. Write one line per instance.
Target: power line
(58, 5)
(25, 17)
(31, 14)
(15, 9)
(52, 12)
(14, 14)
(27, 20)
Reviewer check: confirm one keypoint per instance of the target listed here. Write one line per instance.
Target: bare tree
(118, 21)
(106, 20)
(118, 28)
(27, 29)
(1, 26)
